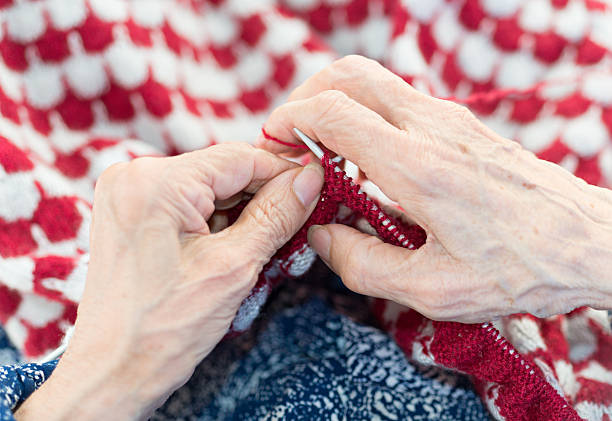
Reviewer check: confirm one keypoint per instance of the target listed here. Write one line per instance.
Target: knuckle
(332, 96)
(354, 62)
(461, 113)
(222, 153)
(272, 219)
(332, 103)
(141, 168)
(141, 177)
(109, 177)
(128, 189)
(231, 147)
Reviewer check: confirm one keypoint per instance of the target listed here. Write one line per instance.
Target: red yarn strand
(282, 142)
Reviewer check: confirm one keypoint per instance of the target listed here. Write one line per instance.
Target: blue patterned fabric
(312, 363)
(17, 382)
(311, 356)
(8, 354)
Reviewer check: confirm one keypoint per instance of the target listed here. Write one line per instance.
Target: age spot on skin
(529, 186)
(463, 148)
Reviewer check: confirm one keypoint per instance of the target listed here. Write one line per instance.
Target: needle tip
(312, 145)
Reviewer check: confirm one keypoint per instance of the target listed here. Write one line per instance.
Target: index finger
(217, 173)
(368, 83)
(349, 129)
(231, 168)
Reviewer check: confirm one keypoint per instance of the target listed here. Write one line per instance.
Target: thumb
(278, 210)
(366, 264)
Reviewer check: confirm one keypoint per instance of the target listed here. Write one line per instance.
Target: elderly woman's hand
(507, 232)
(162, 290)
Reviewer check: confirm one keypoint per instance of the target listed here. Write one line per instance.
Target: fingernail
(308, 183)
(320, 240)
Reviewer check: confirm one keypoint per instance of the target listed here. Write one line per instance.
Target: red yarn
(341, 189)
(282, 142)
(497, 94)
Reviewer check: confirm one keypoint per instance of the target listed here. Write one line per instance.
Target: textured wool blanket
(87, 83)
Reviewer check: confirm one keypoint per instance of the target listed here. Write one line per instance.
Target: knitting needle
(314, 148)
(386, 222)
(312, 145)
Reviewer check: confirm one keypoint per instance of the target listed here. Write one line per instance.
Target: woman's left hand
(162, 290)
(506, 232)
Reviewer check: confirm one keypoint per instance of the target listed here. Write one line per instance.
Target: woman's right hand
(507, 232)
(162, 290)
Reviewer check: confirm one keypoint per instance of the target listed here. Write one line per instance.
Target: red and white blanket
(87, 83)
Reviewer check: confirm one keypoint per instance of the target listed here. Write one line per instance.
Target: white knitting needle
(312, 145)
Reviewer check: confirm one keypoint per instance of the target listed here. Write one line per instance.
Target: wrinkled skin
(507, 232)
(162, 290)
